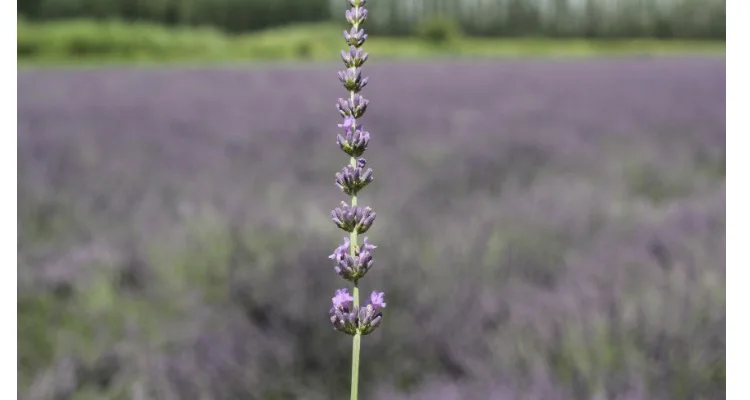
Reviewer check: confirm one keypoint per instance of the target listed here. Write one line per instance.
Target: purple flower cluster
(353, 219)
(354, 260)
(351, 319)
(353, 267)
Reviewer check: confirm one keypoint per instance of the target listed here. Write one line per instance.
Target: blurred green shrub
(83, 38)
(657, 185)
(113, 40)
(228, 15)
(438, 30)
(89, 39)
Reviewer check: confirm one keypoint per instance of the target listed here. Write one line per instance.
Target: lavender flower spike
(352, 261)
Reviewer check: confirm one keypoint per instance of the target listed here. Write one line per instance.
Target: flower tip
(342, 298)
(377, 299)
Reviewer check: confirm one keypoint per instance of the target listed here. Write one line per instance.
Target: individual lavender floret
(354, 218)
(349, 124)
(342, 299)
(353, 268)
(353, 107)
(352, 179)
(377, 299)
(352, 79)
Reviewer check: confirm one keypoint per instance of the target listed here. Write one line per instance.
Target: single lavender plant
(352, 260)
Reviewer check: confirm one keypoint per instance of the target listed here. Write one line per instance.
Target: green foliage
(37, 316)
(438, 30)
(657, 185)
(85, 39)
(566, 18)
(111, 40)
(537, 258)
(228, 15)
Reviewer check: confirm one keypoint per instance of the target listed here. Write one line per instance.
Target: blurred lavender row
(555, 230)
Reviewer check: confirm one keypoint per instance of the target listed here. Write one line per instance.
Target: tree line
(557, 18)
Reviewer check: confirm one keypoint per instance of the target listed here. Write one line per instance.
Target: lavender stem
(356, 340)
(353, 243)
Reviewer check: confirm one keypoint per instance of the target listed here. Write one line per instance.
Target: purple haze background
(547, 229)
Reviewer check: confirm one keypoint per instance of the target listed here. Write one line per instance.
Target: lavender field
(547, 229)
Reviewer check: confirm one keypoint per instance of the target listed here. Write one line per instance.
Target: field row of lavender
(546, 230)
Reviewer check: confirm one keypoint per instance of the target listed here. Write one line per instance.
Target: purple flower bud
(355, 37)
(356, 218)
(372, 325)
(352, 79)
(344, 321)
(366, 220)
(353, 179)
(352, 107)
(370, 317)
(343, 107)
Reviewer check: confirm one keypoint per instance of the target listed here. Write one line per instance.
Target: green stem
(355, 293)
(356, 340)
(355, 353)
